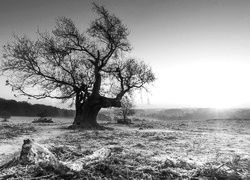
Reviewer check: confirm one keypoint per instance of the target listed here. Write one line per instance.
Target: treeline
(195, 113)
(26, 109)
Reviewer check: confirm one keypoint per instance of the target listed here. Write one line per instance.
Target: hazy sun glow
(214, 85)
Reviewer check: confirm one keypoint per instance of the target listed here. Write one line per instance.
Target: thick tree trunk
(87, 119)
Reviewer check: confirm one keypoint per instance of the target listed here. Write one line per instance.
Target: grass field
(150, 149)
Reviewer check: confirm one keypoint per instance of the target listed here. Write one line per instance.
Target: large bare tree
(90, 68)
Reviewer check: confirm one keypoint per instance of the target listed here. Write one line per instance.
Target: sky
(199, 50)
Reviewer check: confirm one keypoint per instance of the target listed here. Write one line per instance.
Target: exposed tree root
(89, 127)
(34, 153)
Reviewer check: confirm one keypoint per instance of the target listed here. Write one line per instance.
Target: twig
(41, 177)
(221, 166)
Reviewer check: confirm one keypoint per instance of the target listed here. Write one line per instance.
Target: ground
(149, 149)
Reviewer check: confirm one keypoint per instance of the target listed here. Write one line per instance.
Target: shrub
(43, 120)
(124, 121)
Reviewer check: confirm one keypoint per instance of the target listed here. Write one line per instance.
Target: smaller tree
(42, 114)
(42, 117)
(127, 108)
(5, 115)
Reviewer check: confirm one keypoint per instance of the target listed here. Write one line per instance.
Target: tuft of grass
(237, 168)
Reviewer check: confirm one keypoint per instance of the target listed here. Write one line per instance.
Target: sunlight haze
(199, 50)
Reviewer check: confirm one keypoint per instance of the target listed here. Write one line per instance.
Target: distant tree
(43, 113)
(127, 108)
(90, 68)
(5, 115)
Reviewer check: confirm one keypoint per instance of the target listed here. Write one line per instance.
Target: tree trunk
(78, 109)
(87, 119)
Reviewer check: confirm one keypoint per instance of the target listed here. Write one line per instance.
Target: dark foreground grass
(121, 165)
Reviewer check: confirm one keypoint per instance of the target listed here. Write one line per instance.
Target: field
(148, 149)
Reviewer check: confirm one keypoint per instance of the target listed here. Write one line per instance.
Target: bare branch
(84, 66)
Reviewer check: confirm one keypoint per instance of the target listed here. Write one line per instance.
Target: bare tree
(127, 108)
(90, 67)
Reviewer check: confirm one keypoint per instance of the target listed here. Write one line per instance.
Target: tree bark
(87, 119)
(78, 107)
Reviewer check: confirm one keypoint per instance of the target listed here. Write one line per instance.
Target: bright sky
(198, 49)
